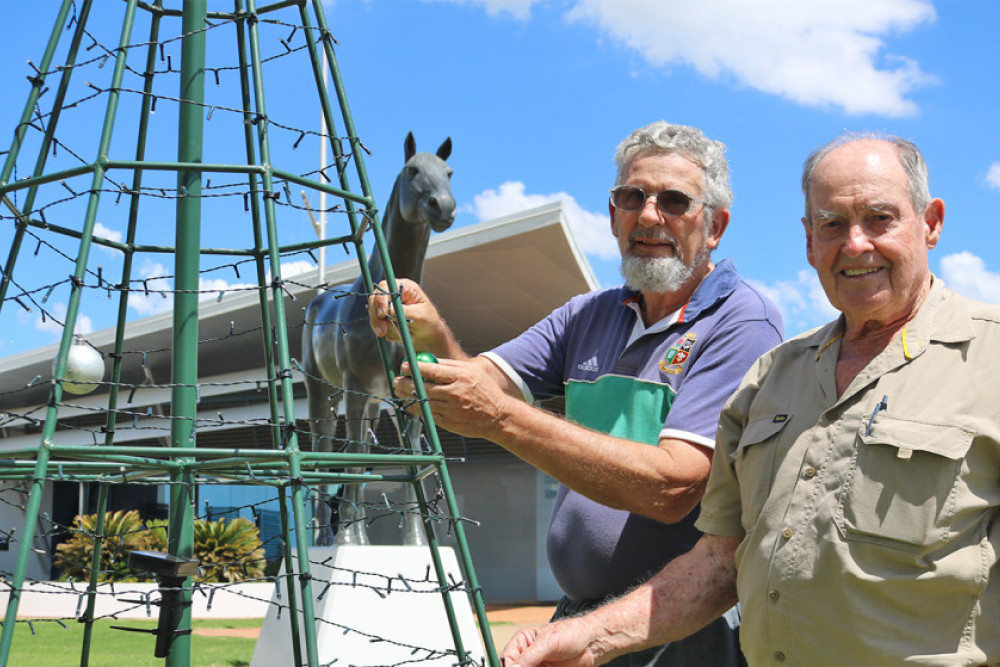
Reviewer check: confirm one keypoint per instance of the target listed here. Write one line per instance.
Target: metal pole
(265, 314)
(184, 369)
(323, 163)
(282, 357)
(95, 567)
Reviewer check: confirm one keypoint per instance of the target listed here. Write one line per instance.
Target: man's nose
(649, 214)
(857, 241)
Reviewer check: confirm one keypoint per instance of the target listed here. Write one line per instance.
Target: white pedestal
(359, 623)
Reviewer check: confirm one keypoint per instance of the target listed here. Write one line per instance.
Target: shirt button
(787, 533)
(779, 656)
(774, 595)
(809, 472)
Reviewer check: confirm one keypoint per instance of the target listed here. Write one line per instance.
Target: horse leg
(351, 507)
(413, 526)
(322, 415)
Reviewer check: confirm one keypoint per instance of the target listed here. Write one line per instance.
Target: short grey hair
(909, 156)
(663, 138)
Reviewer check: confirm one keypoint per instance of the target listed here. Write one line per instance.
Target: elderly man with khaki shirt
(854, 499)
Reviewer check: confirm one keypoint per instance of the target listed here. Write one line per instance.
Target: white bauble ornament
(85, 367)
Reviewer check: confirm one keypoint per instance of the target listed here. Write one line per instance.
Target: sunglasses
(671, 202)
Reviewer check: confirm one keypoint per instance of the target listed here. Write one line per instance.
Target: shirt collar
(939, 319)
(716, 286)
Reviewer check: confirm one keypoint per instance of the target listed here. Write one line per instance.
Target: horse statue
(340, 349)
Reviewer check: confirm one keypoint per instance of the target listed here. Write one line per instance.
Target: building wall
(12, 521)
(508, 500)
(508, 503)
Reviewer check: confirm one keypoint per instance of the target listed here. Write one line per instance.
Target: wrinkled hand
(461, 396)
(560, 644)
(422, 317)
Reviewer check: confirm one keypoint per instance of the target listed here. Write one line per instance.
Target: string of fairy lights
(47, 219)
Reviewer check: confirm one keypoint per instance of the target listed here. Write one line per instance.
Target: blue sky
(536, 94)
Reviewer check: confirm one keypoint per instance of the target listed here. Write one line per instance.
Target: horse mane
(375, 267)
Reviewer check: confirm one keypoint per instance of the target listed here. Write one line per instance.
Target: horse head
(425, 187)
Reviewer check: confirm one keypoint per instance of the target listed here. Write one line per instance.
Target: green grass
(55, 646)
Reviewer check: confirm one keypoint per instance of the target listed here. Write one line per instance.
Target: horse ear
(409, 146)
(445, 150)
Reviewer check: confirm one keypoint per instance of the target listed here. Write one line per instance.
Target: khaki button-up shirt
(871, 521)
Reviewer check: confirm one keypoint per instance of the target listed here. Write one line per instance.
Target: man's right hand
(561, 644)
(428, 330)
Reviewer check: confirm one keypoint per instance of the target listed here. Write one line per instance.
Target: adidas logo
(589, 364)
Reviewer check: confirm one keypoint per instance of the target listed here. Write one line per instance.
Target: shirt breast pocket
(755, 459)
(901, 488)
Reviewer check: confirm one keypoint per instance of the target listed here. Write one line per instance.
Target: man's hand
(687, 594)
(463, 398)
(421, 315)
(562, 644)
(428, 330)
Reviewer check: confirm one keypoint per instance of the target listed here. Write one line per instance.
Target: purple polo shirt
(666, 381)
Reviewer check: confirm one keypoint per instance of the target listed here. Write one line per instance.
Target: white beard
(654, 274)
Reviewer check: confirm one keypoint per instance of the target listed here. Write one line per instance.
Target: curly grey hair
(663, 138)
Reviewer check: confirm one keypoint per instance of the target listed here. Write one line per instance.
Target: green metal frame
(182, 465)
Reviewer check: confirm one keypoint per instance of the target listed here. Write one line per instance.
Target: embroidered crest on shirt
(673, 360)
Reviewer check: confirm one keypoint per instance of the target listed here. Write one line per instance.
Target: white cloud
(154, 293)
(53, 323)
(818, 53)
(802, 302)
(110, 235)
(294, 268)
(592, 230)
(519, 9)
(993, 176)
(107, 233)
(218, 288)
(967, 274)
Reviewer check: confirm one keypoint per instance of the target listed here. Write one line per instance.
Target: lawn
(52, 645)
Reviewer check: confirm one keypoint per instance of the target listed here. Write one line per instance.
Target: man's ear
(720, 220)
(809, 241)
(934, 219)
(611, 212)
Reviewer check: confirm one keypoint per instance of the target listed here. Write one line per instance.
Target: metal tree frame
(181, 465)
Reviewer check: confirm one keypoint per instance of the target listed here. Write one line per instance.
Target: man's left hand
(560, 644)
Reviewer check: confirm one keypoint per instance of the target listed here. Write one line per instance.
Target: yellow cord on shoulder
(906, 347)
(828, 344)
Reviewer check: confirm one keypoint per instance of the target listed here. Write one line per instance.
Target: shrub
(123, 532)
(227, 550)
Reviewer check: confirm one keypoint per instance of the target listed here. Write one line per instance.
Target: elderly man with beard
(645, 369)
